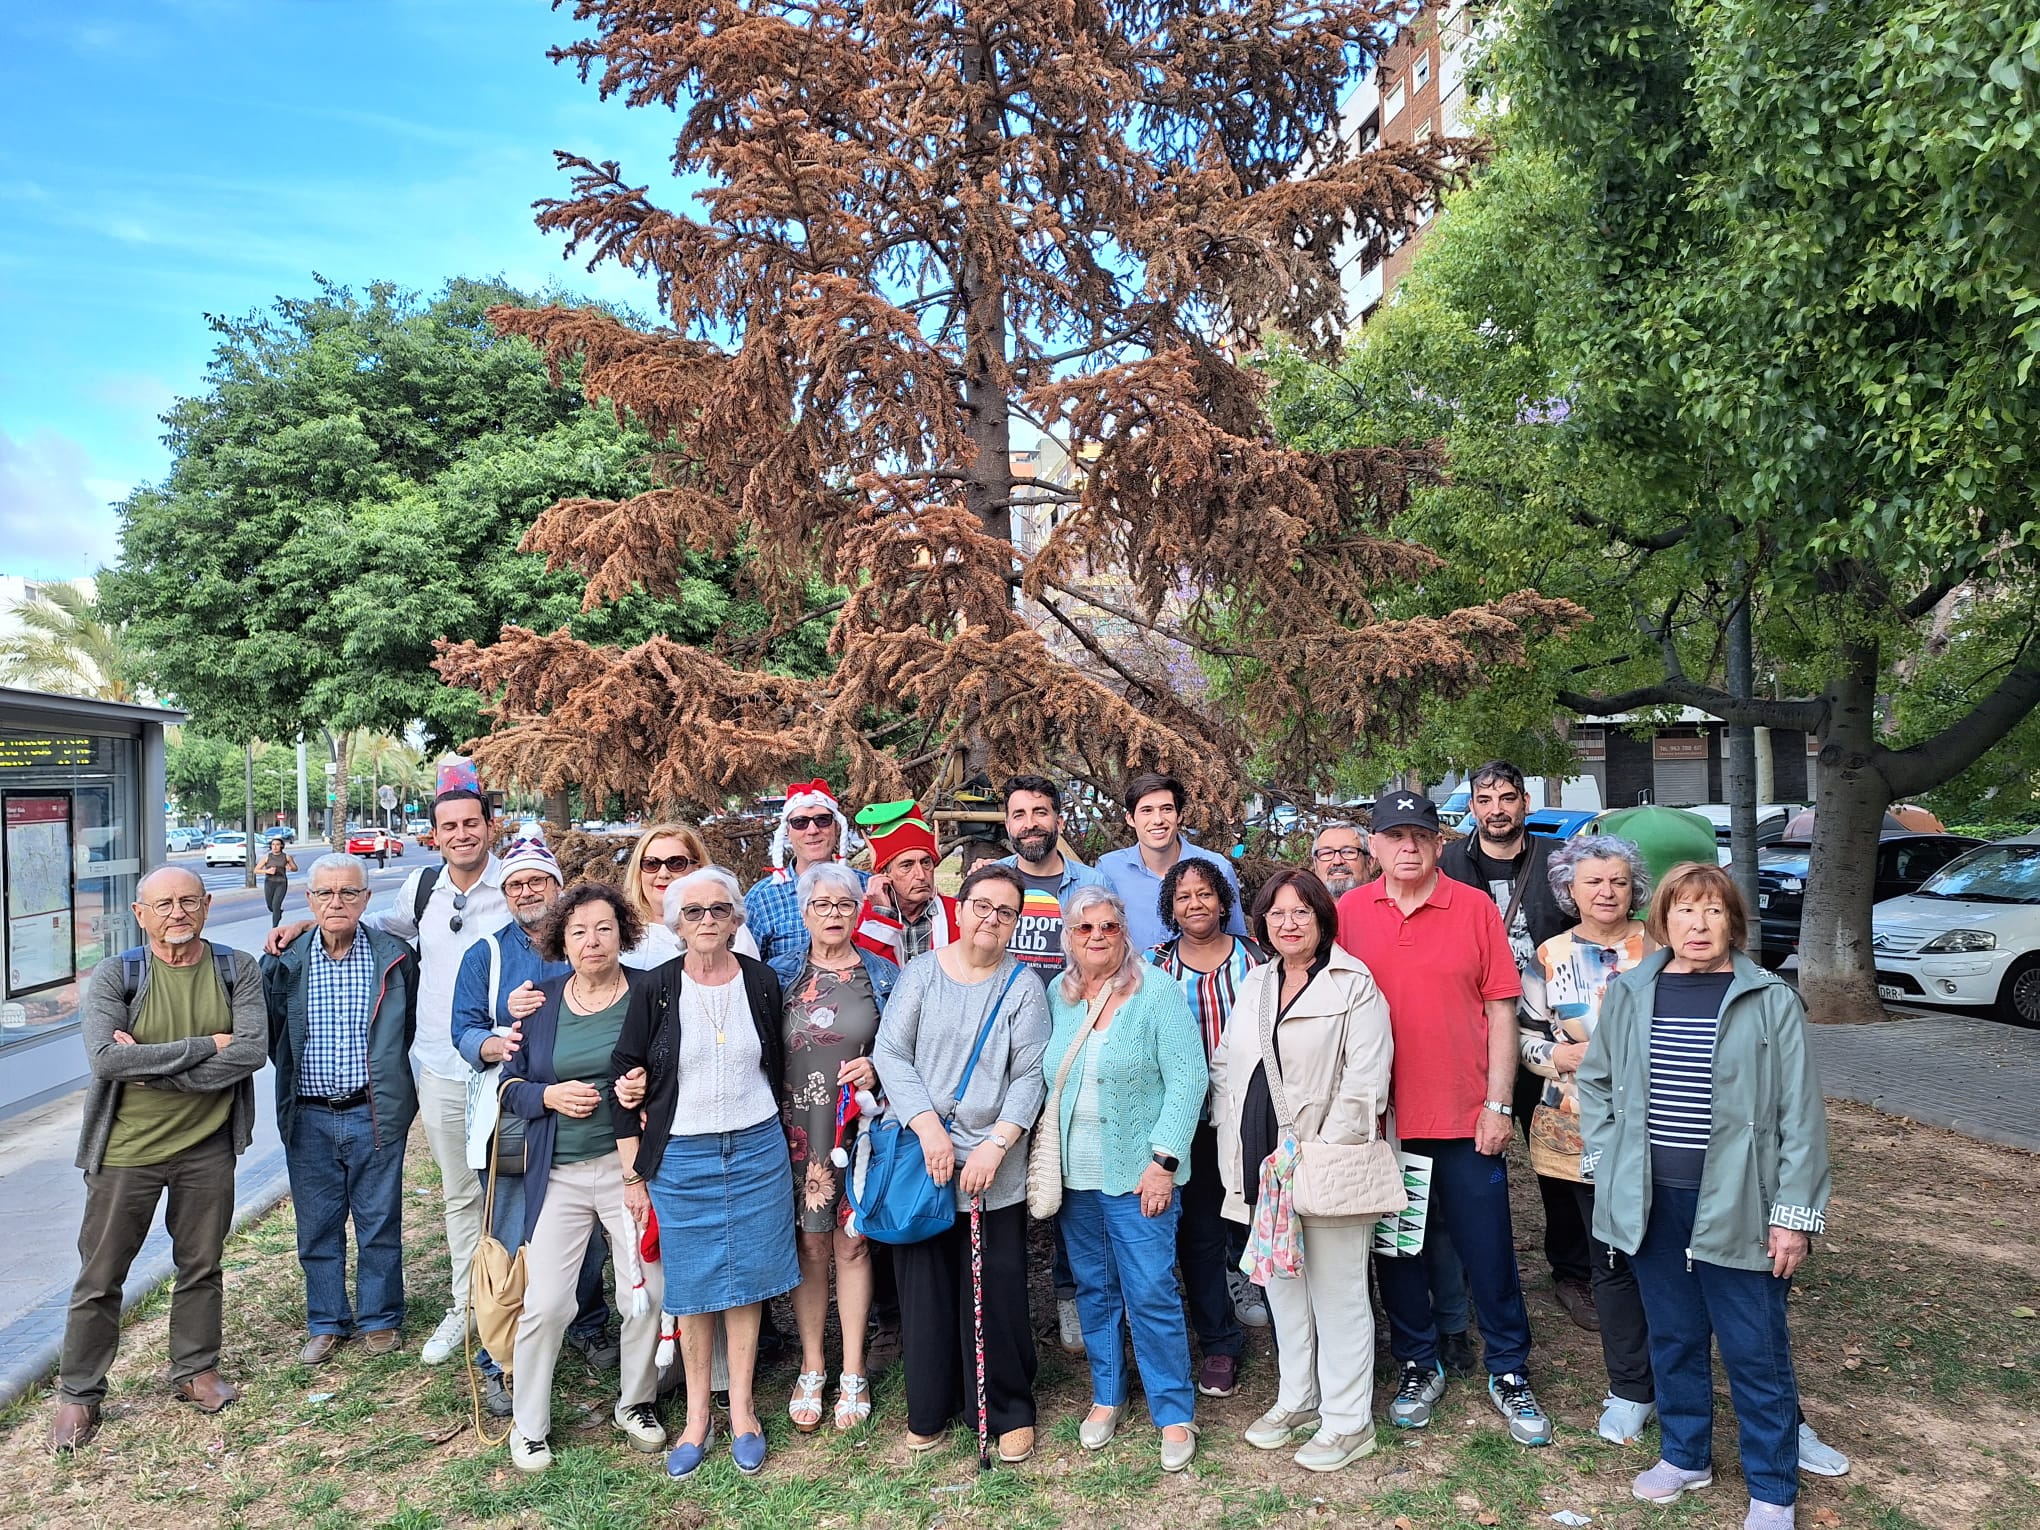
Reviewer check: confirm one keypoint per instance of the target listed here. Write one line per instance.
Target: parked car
(1560, 823)
(229, 847)
(1453, 810)
(1970, 935)
(1772, 817)
(1904, 862)
(373, 840)
(184, 839)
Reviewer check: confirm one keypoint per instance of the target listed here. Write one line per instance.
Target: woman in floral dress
(832, 1012)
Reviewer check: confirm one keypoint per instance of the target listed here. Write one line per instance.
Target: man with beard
(1340, 859)
(1511, 866)
(1034, 824)
(486, 1033)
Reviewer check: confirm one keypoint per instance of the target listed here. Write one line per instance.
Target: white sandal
(853, 1401)
(805, 1406)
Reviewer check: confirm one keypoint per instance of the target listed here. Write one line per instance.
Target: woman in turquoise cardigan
(1132, 1082)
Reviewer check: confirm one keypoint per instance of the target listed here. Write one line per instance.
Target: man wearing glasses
(1340, 859)
(442, 910)
(812, 829)
(341, 1022)
(174, 1032)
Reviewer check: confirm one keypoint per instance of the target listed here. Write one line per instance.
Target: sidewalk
(1977, 1077)
(41, 1194)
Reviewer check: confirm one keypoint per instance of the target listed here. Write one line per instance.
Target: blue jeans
(1689, 1301)
(507, 1227)
(1470, 1200)
(1125, 1264)
(337, 1172)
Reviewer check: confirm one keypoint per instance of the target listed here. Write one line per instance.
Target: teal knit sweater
(1151, 1079)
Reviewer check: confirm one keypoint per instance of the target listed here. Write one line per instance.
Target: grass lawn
(1916, 1340)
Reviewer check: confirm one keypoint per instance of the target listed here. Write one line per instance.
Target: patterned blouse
(1562, 992)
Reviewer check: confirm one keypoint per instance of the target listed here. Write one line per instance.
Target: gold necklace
(719, 1001)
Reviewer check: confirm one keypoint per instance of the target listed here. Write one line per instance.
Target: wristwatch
(1168, 1163)
(1498, 1107)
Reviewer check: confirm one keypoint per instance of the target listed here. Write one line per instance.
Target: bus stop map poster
(35, 860)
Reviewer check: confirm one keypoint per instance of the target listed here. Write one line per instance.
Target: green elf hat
(894, 828)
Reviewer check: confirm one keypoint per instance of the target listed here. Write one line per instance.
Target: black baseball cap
(1405, 810)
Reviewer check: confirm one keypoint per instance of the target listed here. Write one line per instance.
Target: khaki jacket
(1337, 1094)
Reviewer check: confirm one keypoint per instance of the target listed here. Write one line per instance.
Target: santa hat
(528, 851)
(808, 797)
(894, 828)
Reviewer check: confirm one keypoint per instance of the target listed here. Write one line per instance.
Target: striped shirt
(1211, 994)
(339, 1000)
(1683, 1027)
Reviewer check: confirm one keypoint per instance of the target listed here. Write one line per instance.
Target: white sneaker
(529, 1455)
(1070, 1327)
(641, 1422)
(447, 1340)
(1249, 1302)
(1819, 1457)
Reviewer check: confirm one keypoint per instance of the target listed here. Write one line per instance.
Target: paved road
(221, 881)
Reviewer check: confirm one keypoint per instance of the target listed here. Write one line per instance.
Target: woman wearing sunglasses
(832, 1014)
(710, 1152)
(978, 1142)
(1126, 1078)
(663, 854)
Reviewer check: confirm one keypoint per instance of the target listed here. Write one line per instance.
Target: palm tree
(63, 645)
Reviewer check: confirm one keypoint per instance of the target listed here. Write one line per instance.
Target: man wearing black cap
(1441, 957)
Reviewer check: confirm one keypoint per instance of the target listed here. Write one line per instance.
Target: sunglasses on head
(673, 863)
(809, 821)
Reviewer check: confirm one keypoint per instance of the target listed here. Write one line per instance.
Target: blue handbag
(897, 1201)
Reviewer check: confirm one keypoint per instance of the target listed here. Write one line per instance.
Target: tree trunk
(248, 819)
(338, 827)
(559, 812)
(1741, 783)
(1837, 972)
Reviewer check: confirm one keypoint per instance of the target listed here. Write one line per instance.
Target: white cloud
(56, 521)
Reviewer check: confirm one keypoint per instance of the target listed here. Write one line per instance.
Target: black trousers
(1565, 1235)
(1625, 1333)
(1205, 1250)
(937, 1338)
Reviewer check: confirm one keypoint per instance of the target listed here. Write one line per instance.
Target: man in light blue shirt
(1154, 809)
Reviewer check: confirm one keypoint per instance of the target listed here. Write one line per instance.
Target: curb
(32, 1344)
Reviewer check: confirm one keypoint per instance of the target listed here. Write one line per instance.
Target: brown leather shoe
(382, 1341)
(76, 1424)
(320, 1348)
(1577, 1297)
(208, 1391)
(1016, 1445)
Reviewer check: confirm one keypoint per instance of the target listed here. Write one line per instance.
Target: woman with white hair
(1126, 1076)
(706, 1031)
(832, 1014)
(1602, 881)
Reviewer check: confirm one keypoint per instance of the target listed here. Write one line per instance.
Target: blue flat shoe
(683, 1458)
(748, 1451)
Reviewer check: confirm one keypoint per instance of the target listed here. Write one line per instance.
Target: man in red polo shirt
(1442, 959)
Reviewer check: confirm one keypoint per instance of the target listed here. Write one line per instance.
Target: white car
(227, 848)
(1970, 935)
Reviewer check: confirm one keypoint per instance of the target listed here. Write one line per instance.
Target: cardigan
(392, 1027)
(1150, 1077)
(651, 1040)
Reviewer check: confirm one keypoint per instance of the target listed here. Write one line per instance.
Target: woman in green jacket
(1705, 1134)
(1132, 1083)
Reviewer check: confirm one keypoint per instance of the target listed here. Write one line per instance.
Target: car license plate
(1763, 900)
(1890, 991)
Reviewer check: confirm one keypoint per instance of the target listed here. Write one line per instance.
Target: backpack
(134, 961)
(428, 878)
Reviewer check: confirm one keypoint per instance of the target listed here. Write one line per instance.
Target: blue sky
(165, 159)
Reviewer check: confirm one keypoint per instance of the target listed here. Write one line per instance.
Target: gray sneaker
(496, 1396)
(1529, 1424)
(1664, 1482)
(1819, 1457)
(1416, 1395)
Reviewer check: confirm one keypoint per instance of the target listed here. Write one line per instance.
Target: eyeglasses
(828, 907)
(809, 821)
(995, 913)
(337, 894)
(673, 863)
(1290, 916)
(1352, 854)
(694, 913)
(1109, 927)
(162, 908)
(454, 922)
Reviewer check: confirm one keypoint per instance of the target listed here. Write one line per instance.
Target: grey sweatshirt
(931, 1022)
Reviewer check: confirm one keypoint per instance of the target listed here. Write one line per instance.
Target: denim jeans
(1125, 1265)
(1689, 1301)
(507, 1227)
(337, 1172)
(1470, 1199)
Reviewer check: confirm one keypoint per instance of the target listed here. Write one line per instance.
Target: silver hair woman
(722, 887)
(1567, 859)
(1602, 881)
(1124, 977)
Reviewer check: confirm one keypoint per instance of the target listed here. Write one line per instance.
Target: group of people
(678, 1061)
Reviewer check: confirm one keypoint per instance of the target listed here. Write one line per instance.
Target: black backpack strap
(225, 965)
(133, 962)
(428, 878)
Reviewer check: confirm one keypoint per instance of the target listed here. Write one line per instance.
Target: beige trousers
(577, 1196)
(442, 1110)
(1324, 1328)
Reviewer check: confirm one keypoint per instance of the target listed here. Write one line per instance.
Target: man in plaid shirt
(812, 829)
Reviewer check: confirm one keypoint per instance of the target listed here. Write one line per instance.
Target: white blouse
(722, 1086)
